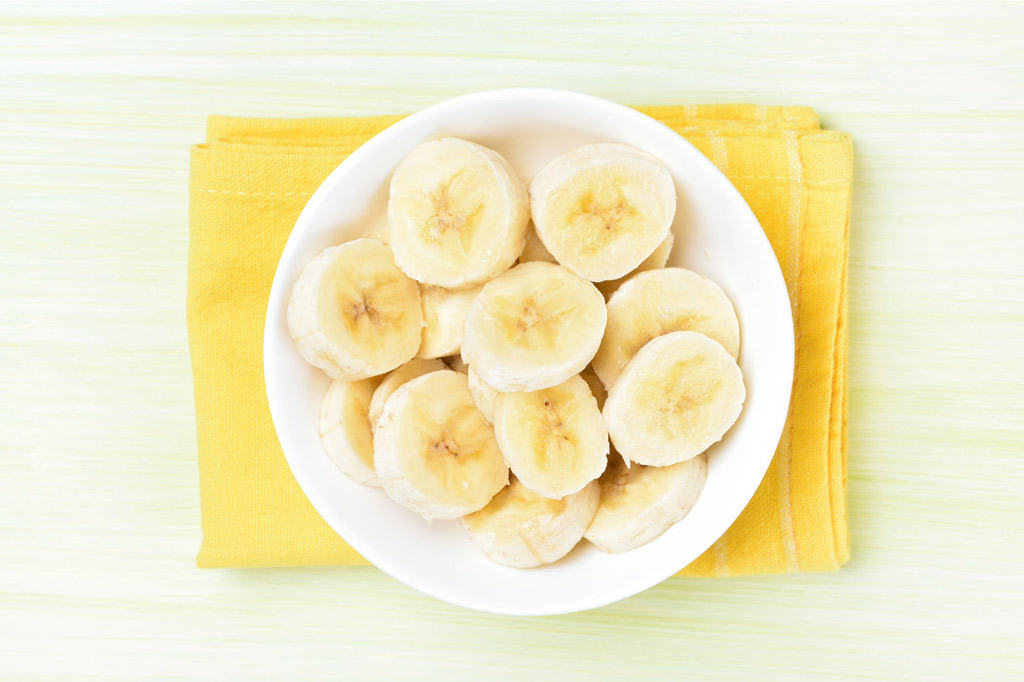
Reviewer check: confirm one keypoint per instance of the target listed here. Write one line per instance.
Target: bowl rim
(277, 302)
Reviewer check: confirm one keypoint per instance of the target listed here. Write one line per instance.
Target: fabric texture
(250, 181)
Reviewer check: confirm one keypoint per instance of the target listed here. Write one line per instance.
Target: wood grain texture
(99, 518)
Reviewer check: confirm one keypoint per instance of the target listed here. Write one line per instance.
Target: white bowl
(716, 235)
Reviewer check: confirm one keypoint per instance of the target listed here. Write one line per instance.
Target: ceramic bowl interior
(716, 235)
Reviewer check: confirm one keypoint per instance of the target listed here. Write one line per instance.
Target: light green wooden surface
(99, 519)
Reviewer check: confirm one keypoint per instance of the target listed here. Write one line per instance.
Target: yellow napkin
(252, 177)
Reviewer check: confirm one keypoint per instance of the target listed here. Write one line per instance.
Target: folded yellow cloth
(252, 177)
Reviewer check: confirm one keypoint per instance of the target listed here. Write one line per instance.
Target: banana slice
(639, 503)
(456, 363)
(678, 396)
(601, 209)
(444, 314)
(416, 367)
(345, 428)
(457, 214)
(656, 260)
(657, 302)
(483, 396)
(534, 249)
(353, 313)
(521, 529)
(433, 451)
(533, 327)
(554, 439)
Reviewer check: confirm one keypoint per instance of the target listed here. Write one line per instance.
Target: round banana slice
(521, 529)
(433, 451)
(601, 209)
(554, 439)
(533, 327)
(657, 302)
(678, 396)
(444, 314)
(353, 313)
(656, 260)
(534, 249)
(639, 503)
(457, 213)
(483, 396)
(416, 367)
(345, 428)
(456, 363)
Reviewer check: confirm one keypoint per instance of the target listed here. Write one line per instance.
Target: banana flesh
(523, 359)
(483, 395)
(433, 451)
(345, 428)
(533, 327)
(457, 214)
(678, 396)
(353, 313)
(521, 529)
(553, 439)
(601, 209)
(656, 260)
(416, 367)
(657, 302)
(444, 315)
(639, 503)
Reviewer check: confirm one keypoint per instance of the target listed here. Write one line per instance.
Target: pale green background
(99, 517)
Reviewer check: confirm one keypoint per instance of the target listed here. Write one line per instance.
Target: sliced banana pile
(479, 372)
